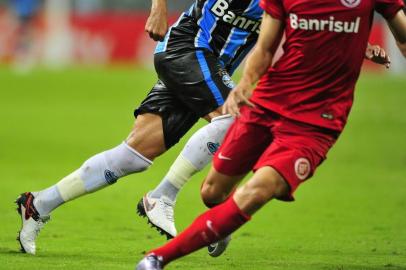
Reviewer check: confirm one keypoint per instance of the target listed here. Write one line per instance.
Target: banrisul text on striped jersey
(220, 9)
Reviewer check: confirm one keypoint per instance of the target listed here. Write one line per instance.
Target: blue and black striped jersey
(228, 28)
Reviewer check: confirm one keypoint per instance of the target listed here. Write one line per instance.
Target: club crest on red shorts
(302, 168)
(350, 3)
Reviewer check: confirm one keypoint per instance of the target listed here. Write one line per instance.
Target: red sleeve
(388, 8)
(274, 8)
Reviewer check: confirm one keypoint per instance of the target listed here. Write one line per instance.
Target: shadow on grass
(12, 259)
(9, 251)
(55, 256)
(66, 260)
(226, 263)
(359, 267)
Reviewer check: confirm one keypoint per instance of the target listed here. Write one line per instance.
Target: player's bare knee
(217, 187)
(212, 195)
(281, 188)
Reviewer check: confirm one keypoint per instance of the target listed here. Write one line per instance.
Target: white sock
(47, 200)
(97, 172)
(196, 154)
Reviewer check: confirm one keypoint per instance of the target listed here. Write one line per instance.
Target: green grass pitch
(351, 215)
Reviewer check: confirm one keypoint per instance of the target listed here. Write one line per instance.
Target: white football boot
(159, 213)
(218, 248)
(32, 222)
(150, 262)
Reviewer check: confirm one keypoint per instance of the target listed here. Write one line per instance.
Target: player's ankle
(165, 188)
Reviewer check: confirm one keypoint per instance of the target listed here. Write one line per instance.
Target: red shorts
(260, 138)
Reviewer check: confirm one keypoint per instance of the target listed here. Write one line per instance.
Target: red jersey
(313, 82)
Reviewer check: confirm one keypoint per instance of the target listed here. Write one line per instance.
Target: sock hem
(217, 118)
(138, 154)
(246, 216)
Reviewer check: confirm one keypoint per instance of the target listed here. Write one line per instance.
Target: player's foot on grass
(32, 222)
(218, 248)
(159, 213)
(150, 262)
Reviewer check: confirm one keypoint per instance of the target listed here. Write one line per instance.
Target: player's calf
(102, 169)
(158, 205)
(215, 190)
(265, 185)
(147, 136)
(211, 196)
(99, 171)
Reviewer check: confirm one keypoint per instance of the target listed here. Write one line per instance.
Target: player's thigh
(198, 80)
(245, 141)
(243, 144)
(265, 184)
(161, 121)
(296, 151)
(217, 187)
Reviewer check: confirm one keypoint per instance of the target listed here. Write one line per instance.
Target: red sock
(210, 227)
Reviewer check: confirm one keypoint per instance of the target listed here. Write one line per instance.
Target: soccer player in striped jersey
(193, 62)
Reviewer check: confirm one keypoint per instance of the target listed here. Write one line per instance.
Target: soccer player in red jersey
(286, 126)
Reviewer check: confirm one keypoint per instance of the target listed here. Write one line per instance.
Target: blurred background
(58, 33)
(71, 73)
